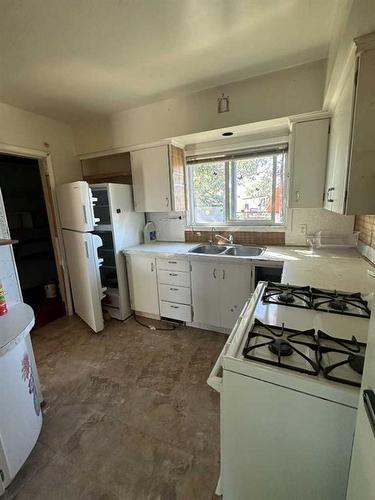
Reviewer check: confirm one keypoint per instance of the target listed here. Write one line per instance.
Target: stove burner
(332, 301)
(280, 348)
(356, 363)
(286, 297)
(337, 304)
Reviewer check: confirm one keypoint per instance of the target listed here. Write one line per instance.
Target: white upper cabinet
(158, 175)
(339, 146)
(350, 181)
(308, 160)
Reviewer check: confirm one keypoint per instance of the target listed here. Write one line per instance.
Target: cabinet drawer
(178, 278)
(173, 264)
(172, 293)
(175, 311)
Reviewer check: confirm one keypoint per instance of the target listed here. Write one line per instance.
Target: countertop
(334, 268)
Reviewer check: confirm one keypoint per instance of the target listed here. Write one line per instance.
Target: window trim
(228, 204)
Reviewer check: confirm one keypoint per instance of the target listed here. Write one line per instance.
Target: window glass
(244, 190)
(208, 185)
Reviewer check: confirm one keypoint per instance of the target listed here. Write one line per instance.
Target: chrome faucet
(229, 239)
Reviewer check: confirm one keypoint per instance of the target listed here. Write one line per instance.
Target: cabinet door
(151, 179)
(177, 162)
(143, 284)
(309, 161)
(205, 279)
(235, 289)
(339, 147)
(361, 181)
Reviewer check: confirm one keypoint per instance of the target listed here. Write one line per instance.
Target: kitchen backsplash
(240, 237)
(365, 224)
(171, 226)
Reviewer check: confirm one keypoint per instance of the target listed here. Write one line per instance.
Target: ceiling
(74, 59)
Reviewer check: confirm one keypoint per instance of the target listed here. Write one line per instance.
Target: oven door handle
(245, 317)
(214, 380)
(369, 402)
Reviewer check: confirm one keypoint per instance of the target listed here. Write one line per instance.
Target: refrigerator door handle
(87, 250)
(369, 402)
(84, 213)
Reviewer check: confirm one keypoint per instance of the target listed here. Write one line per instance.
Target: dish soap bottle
(149, 232)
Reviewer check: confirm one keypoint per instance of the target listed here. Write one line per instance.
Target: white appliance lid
(18, 320)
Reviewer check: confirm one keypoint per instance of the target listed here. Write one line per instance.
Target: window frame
(229, 193)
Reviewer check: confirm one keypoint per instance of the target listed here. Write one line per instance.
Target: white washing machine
(20, 397)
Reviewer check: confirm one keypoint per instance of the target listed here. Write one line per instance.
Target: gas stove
(306, 351)
(305, 297)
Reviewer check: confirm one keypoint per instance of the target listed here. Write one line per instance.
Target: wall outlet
(303, 229)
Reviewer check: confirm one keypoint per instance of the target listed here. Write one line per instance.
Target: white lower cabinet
(235, 289)
(143, 284)
(219, 291)
(174, 289)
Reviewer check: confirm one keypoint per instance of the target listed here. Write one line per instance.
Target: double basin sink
(234, 250)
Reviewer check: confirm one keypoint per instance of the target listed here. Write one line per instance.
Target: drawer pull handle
(172, 262)
(173, 289)
(175, 307)
(173, 274)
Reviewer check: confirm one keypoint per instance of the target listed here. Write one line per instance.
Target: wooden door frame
(49, 191)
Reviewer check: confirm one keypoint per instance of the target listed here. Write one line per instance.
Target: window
(238, 189)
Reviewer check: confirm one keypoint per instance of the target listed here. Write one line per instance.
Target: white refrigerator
(98, 222)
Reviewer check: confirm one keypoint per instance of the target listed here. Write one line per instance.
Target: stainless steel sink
(245, 251)
(236, 250)
(209, 249)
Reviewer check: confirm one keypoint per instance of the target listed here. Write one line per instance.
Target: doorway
(25, 207)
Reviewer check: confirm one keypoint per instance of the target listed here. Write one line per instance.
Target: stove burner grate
(282, 342)
(290, 295)
(350, 350)
(351, 304)
(356, 363)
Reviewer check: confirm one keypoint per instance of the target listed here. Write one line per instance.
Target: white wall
(316, 219)
(354, 18)
(274, 95)
(24, 129)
